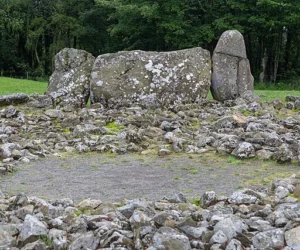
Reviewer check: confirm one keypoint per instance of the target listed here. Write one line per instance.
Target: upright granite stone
(231, 69)
(69, 83)
(151, 79)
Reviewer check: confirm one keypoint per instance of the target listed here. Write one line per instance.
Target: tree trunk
(263, 67)
(37, 56)
(47, 44)
(287, 55)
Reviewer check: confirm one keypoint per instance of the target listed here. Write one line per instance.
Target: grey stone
(292, 238)
(81, 130)
(254, 127)
(6, 239)
(272, 139)
(248, 95)
(208, 199)
(232, 43)
(40, 101)
(283, 154)
(116, 239)
(128, 209)
(290, 123)
(290, 105)
(6, 150)
(264, 154)
(273, 239)
(227, 144)
(224, 77)
(231, 70)
(291, 98)
(89, 240)
(256, 223)
(243, 197)
(281, 192)
(170, 239)
(230, 226)
(151, 79)
(139, 219)
(193, 232)
(54, 113)
(32, 229)
(224, 122)
(297, 104)
(37, 245)
(244, 150)
(219, 237)
(288, 210)
(234, 245)
(22, 212)
(69, 83)
(278, 104)
(176, 198)
(89, 204)
(13, 99)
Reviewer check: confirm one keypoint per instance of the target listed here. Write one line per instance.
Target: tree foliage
(33, 31)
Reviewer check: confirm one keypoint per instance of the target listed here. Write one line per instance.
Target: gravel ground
(112, 177)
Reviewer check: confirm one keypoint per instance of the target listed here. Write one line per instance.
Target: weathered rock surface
(69, 83)
(231, 69)
(13, 99)
(151, 79)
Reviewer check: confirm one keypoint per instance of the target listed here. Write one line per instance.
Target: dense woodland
(33, 31)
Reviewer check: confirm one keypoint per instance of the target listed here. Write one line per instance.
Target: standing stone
(231, 69)
(151, 79)
(69, 83)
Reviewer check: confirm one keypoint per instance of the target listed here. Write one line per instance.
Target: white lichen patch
(94, 75)
(99, 83)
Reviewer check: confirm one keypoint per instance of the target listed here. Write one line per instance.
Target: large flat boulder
(69, 83)
(231, 69)
(13, 99)
(151, 79)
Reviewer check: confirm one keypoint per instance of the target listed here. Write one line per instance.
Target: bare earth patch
(112, 177)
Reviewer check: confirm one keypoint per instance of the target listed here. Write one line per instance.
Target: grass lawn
(12, 85)
(269, 95)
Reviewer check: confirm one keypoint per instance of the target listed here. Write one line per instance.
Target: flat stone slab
(12, 99)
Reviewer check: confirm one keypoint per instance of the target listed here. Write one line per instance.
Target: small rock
(219, 237)
(170, 239)
(208, 199)
(244, 150)
(89, 204)
(292, 238)
(273, 239)
(234, 245)
(164, 152)
(89, 240)
(31, 230)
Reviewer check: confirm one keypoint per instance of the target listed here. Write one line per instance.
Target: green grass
(269, 95)
(113, 127)
(232, 160)
(12, 85)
